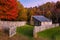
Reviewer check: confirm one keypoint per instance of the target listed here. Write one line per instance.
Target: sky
(32, 3)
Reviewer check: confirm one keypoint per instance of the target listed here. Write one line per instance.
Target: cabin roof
(41, 18)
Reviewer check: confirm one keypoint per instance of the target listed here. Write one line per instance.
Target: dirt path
(15, 37)
(3, 36)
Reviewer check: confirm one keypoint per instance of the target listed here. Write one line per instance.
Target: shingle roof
(41, 18)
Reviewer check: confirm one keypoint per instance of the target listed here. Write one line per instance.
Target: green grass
(26, 30)
(52, 34)
(57, 37)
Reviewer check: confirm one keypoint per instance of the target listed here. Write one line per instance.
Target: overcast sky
(32, 3)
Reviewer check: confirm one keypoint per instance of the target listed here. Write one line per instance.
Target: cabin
(40, 21)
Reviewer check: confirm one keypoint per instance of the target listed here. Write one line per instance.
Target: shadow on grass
(26, 30)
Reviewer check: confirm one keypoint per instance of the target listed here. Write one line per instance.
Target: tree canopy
(8, 9)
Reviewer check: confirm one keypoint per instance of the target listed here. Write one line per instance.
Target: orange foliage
(8, 9)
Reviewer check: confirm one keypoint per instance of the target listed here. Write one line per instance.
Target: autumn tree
(22, 13)
(56, 13)
(28, 15)
(8, 9)
(48, 14)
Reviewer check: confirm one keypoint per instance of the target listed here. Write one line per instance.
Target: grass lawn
(26, 30)
(51, 34)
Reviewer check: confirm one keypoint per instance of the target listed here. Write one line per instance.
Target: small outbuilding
(40, 21)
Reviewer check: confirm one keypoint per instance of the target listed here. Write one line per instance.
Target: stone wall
(11, 23)
(42, 28)
(11, 26)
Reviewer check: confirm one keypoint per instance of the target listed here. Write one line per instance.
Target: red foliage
(8, 9)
